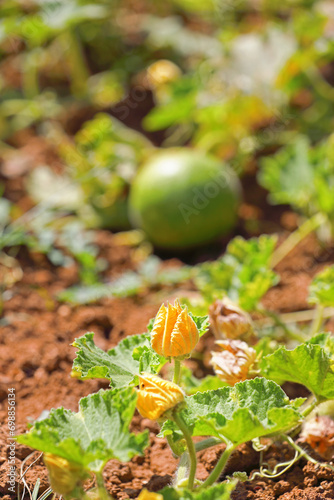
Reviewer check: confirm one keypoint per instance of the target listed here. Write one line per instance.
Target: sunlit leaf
(121, 365)
(94, 435)
(250, 409)
(308, 364)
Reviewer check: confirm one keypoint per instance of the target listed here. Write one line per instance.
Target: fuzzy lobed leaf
(121, 365)
(220, 491)
(243, 273)
(321, 290)
(250, 409)
(308, 364)
(94, 435)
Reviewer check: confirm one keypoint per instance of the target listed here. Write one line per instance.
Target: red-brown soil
(36, 359)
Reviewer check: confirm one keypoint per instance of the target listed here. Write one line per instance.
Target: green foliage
(309, 364)
(221, 491)
(192, 385)
(94, 435)
(149, 274)
(321, 290)
(243, 273)
(202, 323)
(121, 365)
(301, 176)
(103, 161)
(250, 409)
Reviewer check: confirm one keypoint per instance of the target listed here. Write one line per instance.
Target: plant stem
(296, 237)
(177, 371)
(219, 467)
(207, 443)
(318, 319)
(277, 319)
(296, 316)
(184, 460)
(30, 74)
(103, 494)
(77, 63)
(191, 447)
(172, 446)
(310, 407)
(303, 453)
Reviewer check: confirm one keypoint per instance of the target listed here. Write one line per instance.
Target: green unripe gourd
(183, 198)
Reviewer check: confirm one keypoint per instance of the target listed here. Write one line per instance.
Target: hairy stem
(207, 443)
(103, 494)
(177, 371)
(313, 403)
(296, 237)
(219, 467)
(191, 447)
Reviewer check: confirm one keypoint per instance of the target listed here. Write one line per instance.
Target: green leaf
(94, 435)
(202, 323)
(321, 290)
(243, 273)
(302, 176)
(221, 491)
(127, 285)
(325, 340)
(121, 365)
(250, 409)
(191, 384)
(288, 175)
(309, 364)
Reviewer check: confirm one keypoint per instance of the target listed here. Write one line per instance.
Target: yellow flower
(64, 476)
(229, 321)
(156, 396)
(149, 495)
(232, 365)
(174, 332)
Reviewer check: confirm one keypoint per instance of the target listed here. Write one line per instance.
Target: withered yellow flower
(174, 332)
(149, 495)
(64, 476)
(230, 321)
(234, 362)
(156, 396)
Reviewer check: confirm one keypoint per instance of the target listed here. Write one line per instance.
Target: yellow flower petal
(156, 396)
(149, 495)
(64, 476)
(174, 332)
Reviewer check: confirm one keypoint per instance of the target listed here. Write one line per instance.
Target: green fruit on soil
(182, 198)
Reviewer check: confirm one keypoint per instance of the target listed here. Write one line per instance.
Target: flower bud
(229, 321)
(64, 476)
(162, 72)
(156, 396)
(233, 364)
(149, 495)
(174, 332)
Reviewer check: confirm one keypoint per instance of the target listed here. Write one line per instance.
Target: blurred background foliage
(107, 82)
